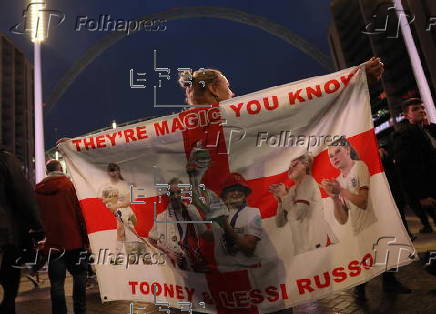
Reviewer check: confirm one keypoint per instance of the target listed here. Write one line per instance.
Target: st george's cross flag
(255, 204)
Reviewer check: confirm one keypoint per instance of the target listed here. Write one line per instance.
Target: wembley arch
(239, 16)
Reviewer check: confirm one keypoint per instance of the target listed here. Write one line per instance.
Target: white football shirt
(248, 222)
(309, 228)
(356, 180)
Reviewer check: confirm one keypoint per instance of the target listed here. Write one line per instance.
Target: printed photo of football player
(236, 242)
(177, 232)
(240, 240)
(350, 190)
(116, 196)
(203, 198)
(301, 207)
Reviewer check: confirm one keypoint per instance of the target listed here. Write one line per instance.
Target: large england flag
(252, 205)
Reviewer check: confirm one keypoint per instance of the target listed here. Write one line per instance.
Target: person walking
(415, 156)
(66, 237)
(19, 223)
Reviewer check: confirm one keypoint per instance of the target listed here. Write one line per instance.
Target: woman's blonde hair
(196, 84)
(306, 158)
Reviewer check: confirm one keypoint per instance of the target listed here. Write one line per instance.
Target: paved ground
(421, 301)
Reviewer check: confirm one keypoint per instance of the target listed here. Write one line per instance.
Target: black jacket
(18, 208)
(416, 159)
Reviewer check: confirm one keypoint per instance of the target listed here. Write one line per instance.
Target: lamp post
(415, 60)
(37, 32)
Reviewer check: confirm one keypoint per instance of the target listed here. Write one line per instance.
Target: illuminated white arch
(182, 13)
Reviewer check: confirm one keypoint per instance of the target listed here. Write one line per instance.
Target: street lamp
(418, 71)
(114, 124)
(37, 32)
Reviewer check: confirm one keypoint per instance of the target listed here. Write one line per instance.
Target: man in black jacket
(415, 155)
(19, 222)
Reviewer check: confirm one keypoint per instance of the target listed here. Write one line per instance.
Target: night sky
(251, 58)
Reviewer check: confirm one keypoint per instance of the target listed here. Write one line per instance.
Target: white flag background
(311, 254)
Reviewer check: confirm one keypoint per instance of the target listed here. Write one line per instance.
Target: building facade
(16, 105)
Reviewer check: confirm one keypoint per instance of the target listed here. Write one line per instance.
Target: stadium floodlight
(35, 27)
(35, 20)
(415, 61)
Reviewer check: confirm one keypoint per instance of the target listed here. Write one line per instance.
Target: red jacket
(61, 214)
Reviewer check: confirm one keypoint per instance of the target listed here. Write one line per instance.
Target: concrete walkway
(422, 300)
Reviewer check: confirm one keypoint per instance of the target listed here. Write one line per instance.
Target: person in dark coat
(415, 156)
(19, 224)
(66, 237)
(391, 173)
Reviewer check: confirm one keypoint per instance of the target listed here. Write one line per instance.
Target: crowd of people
(49, 218)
